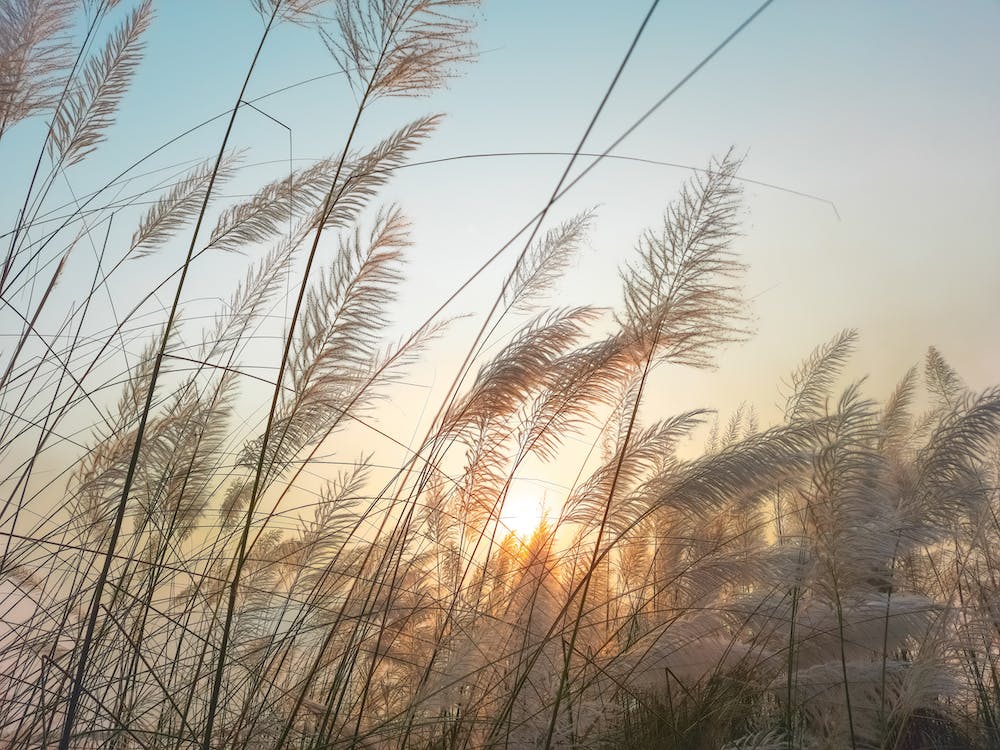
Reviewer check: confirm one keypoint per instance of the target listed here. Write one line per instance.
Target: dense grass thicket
(173, 577)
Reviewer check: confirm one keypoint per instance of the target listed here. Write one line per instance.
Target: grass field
(226, 523)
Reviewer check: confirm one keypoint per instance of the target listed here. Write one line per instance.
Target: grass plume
(182, 567)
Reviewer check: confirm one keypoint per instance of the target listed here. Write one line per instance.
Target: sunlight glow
(523, 510)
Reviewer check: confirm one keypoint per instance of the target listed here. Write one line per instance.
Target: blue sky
(890, 110)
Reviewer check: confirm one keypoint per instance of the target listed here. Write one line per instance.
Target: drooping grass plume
(545, 261)
(178, 206)
(682, 296)
(33, 55)
(89, 108)
(400, 47)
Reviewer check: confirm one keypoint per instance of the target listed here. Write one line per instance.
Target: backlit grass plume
(224, 524)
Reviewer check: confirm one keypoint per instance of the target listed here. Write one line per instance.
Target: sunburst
(523, 510)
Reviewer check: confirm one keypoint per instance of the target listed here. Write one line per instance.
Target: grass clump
(828, 581)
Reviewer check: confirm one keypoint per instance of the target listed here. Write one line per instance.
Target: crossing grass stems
(828, 581)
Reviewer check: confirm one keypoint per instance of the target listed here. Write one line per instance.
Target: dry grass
(827, 582)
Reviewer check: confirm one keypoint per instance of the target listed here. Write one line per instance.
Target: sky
(891, 111)
(888, 113)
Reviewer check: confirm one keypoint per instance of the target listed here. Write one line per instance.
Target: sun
(523, 510)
